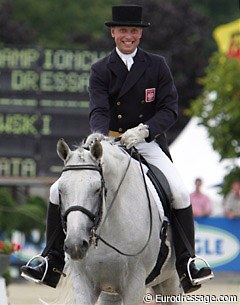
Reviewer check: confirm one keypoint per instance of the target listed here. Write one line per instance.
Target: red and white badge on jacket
(150, 95)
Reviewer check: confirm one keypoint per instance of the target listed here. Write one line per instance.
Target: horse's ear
(96, 150)
(63, 149)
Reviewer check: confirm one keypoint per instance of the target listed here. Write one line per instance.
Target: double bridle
(96, 218)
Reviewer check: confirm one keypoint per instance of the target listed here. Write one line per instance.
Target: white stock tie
(129, 62)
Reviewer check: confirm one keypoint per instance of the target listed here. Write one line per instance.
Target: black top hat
(128, 15)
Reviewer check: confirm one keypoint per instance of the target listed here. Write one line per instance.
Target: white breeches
(155, 156)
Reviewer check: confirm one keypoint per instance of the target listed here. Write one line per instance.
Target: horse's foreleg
(83, 292)
(84, 298)
(169, 292)
(134, 291)
(134, 297)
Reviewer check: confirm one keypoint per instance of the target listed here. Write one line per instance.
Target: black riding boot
(184, 217)
(53, 251)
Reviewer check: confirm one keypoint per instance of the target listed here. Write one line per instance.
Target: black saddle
(159, 181)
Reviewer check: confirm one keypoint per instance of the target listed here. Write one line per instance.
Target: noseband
(95, 218)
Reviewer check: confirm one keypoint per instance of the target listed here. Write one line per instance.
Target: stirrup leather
(201, 280)
(29, 278)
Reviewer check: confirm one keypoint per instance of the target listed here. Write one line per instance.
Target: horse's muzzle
(76, 250)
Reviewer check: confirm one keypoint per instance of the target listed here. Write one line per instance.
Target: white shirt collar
(126, 57)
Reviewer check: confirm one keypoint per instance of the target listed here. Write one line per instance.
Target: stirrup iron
(198, 281)
(29, 278)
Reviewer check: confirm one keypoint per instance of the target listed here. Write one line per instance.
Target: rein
(96, 219)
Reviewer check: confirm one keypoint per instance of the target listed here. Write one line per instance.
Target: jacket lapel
(117, 66)
(138, 68)
(130, 78)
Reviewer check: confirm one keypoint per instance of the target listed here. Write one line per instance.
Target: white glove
(134, 135)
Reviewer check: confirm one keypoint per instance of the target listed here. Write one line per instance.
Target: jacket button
(141, 116)
(120, 129)
(119, 116)
(118, 103)
(142, 102)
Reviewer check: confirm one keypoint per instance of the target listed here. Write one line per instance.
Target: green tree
(218, 108)
(12, 30)
(31, 216)
(8, 217)
(23, 217)
(233, 175)
(62, 23)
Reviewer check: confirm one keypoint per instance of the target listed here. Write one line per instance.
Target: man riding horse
(133, 96)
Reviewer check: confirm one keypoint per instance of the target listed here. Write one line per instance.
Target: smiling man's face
(127, 38)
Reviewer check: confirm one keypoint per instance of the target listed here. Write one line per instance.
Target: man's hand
(134, 135)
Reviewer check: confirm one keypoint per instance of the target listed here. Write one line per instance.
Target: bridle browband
(81, 167)
(96, 219)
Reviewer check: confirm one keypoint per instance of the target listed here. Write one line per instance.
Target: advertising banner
(218, 241)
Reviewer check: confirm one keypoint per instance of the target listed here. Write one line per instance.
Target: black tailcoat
(122, 99)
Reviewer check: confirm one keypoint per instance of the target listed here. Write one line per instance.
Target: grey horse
(112, 228)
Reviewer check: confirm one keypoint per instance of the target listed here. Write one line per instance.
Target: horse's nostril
(85, 244)
(76, 250)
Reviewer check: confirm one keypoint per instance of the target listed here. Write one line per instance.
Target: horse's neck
(127, 198)
(121, 175)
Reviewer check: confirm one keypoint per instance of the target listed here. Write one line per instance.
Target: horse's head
(81, 188)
